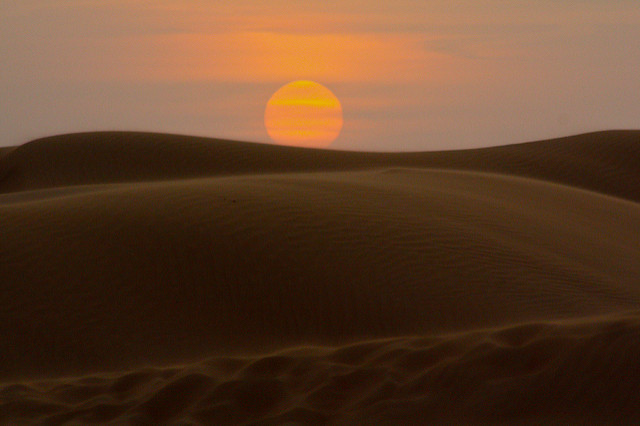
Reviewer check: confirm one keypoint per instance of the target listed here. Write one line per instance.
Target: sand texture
(151, 279)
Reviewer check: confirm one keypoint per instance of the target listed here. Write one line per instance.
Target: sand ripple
(578, 372)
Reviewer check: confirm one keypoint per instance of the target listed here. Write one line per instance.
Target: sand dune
(151, 278)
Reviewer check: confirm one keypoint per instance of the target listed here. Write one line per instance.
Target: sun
(303, 113)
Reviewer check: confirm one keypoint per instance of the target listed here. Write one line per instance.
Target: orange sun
(303, 113)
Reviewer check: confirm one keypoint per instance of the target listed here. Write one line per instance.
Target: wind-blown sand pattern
(157, 278)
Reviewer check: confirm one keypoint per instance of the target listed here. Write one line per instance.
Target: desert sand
(149, 278)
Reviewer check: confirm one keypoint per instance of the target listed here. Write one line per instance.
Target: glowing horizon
(410, 75)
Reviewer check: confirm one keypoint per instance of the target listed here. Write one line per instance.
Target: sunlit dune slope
(603, 161)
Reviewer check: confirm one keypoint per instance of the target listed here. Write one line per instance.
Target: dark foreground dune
(156, 278)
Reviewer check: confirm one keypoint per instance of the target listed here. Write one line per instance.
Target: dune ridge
(511, 375)
(159, 278)
(601, 161)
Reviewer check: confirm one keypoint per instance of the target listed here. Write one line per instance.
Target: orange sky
(411, 75)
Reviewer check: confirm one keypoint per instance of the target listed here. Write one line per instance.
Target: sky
(411, 75)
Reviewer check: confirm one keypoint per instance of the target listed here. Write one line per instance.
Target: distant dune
(152, 278)
(603, 162)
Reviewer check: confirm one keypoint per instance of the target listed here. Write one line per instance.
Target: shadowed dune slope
(606, 162)
(250, 262)
(156, 278)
